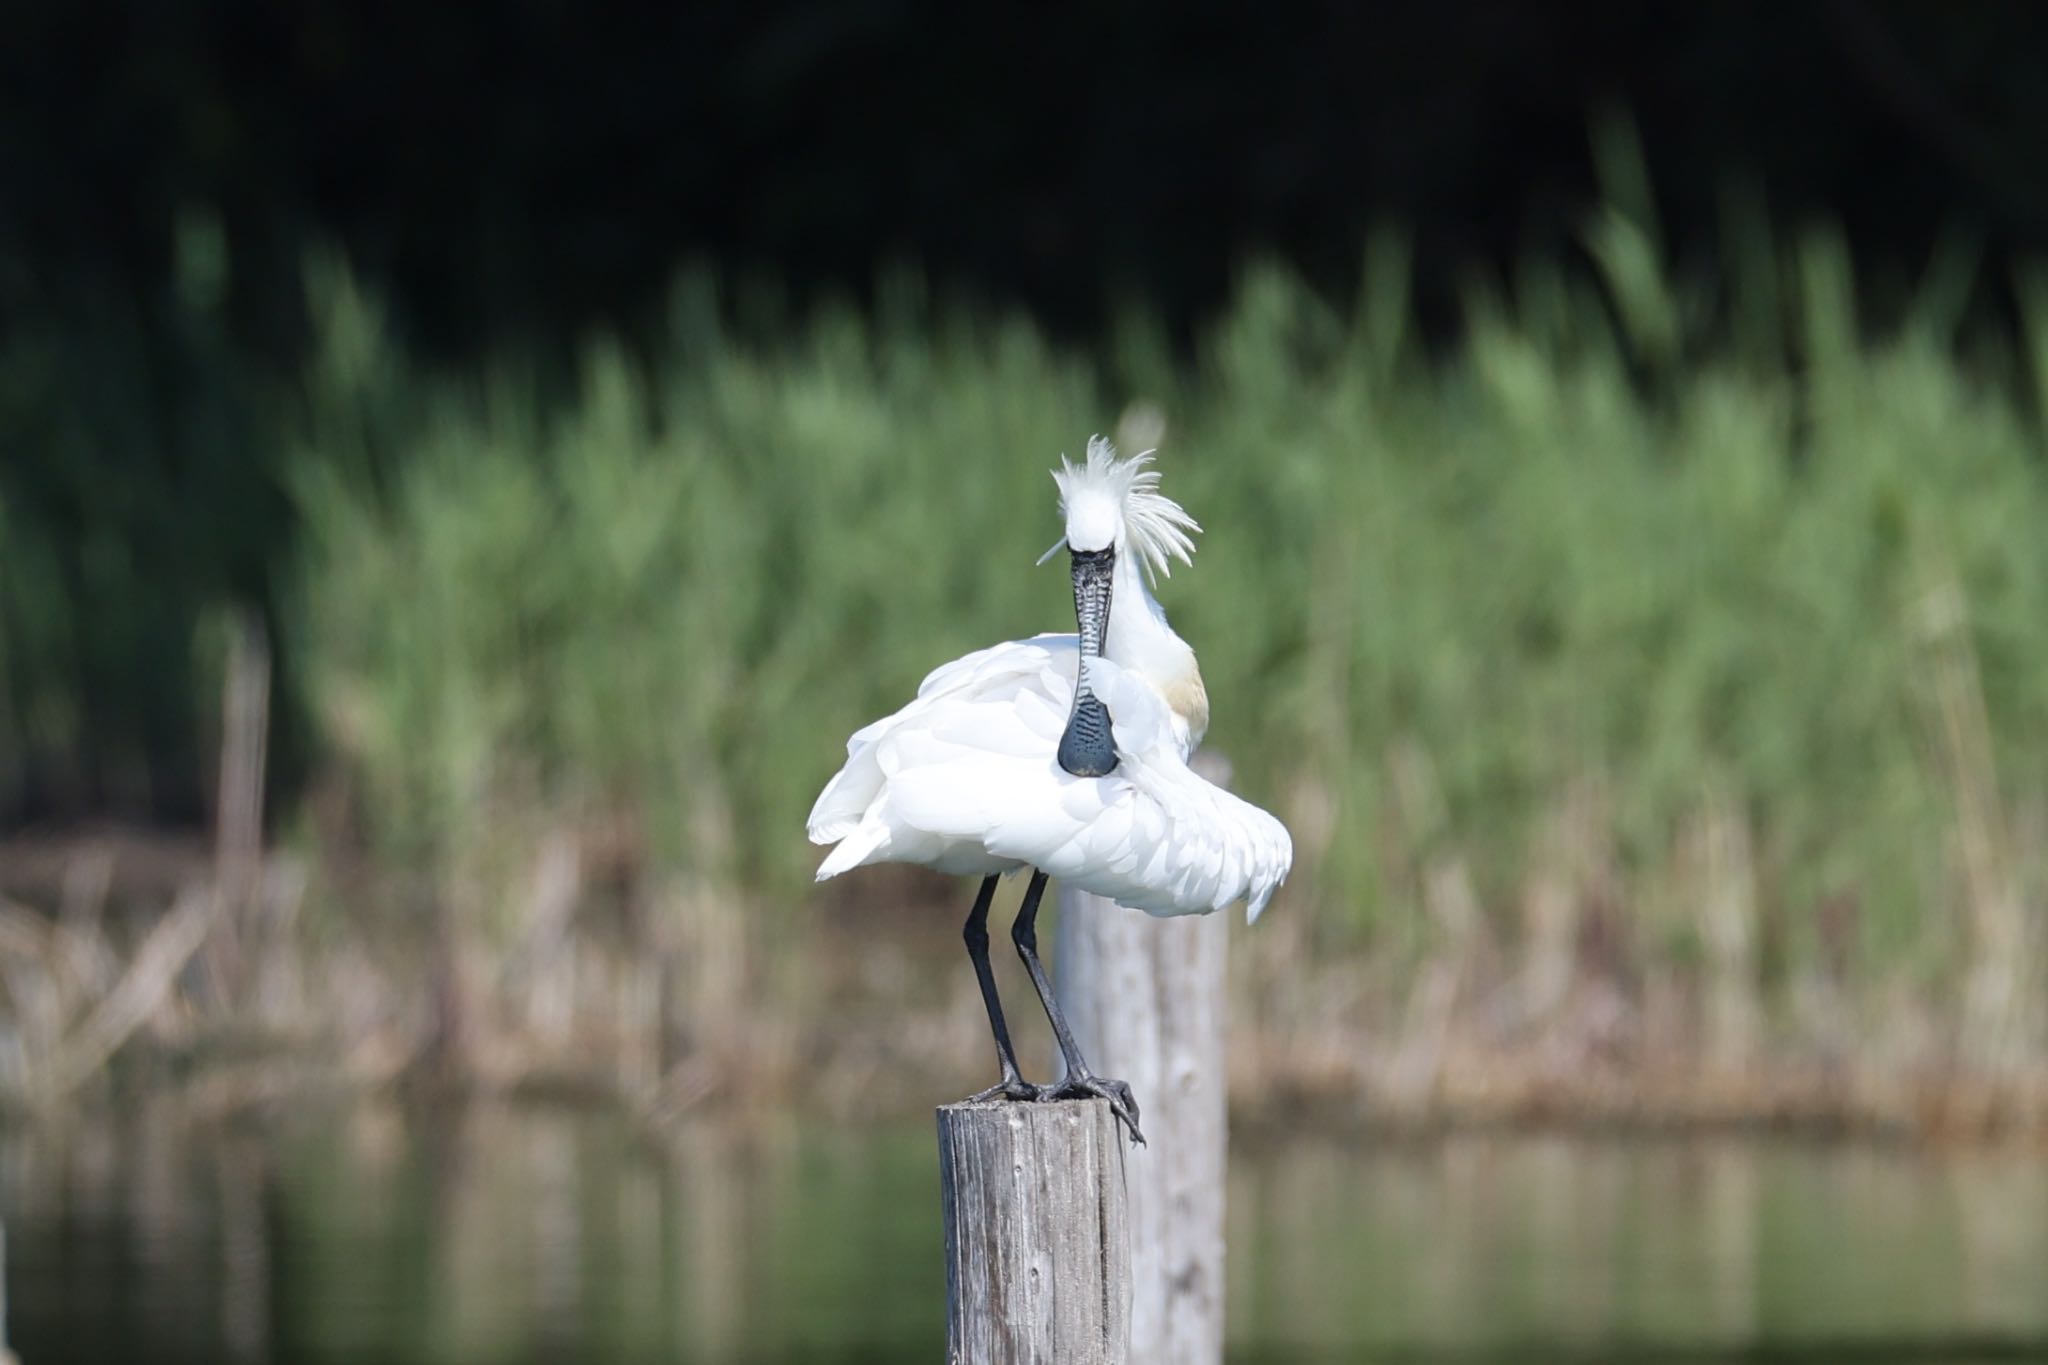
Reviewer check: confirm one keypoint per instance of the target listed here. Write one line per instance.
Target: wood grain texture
(1037, 1239)
(1145, 998)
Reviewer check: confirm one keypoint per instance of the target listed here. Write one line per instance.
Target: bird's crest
(1107, 500)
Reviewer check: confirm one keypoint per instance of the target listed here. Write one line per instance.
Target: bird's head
(1115, 505)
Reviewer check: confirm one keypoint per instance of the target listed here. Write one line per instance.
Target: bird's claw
(1009, 1088)
(1121, 1102)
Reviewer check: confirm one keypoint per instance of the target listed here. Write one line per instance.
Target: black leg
(1080, 1080)
(1012, 1085)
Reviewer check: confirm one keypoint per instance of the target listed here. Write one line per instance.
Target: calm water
(521, 1235)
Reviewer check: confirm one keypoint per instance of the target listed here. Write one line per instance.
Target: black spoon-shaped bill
(1087, 749)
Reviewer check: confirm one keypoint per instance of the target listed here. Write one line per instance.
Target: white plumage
(965, 778)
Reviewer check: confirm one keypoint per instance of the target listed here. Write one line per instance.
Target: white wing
(1154, 834)
(965, 779)
(968, 695)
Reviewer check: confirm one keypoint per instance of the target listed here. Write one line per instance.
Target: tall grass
(677, 595)
(140, 498)
(1529, 564)
(1683, 637)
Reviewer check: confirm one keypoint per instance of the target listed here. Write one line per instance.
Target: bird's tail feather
(853, 850)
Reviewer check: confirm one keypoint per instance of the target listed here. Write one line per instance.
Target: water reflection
(493, 1234)
(1496, 1246)
(514, 1234)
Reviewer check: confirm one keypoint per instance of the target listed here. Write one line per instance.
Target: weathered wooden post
(1038, 1257)
(7, 1357)
(1145, 998)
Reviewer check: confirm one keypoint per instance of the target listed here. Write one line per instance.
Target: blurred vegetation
(677, 593)
(1691, 602)
(1606, 543)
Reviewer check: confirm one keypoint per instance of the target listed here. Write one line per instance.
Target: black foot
(1117, 1093)
(1009, 1088)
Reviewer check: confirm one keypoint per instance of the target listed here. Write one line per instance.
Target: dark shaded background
(514, 176)
(533, 166)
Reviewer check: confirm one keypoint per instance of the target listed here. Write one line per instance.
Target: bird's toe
(1122, 1102)
(1009, 1088)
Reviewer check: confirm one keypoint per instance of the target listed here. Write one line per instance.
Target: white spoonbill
(1066, 754)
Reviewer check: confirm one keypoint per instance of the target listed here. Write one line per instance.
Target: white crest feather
(1153, 525)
